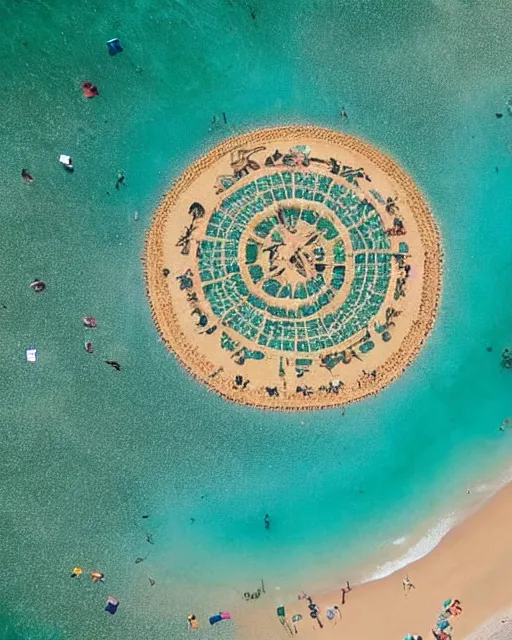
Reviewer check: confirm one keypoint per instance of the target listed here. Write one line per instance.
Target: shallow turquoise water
(87, 451)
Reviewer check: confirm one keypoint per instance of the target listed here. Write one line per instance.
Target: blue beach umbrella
(443, 624)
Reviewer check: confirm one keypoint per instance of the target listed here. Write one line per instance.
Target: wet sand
(211, 179)
(472, 563)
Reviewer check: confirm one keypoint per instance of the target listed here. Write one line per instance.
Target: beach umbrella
(448, 603)
(281, 614)
(409, 636)
(443, 624)
(296, 618)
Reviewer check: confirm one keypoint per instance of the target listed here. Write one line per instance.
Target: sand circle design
(294, 268)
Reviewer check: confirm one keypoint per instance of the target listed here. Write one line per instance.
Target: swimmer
(97, 576)
(192, 622)
(149, 538)
(88, 347)
(343, 113)
(76, 572)
(152, 582)
(266, 520)
(89, 321)
(26, 176)
(120, 179)
(89, 90)
(38, 286)
(505, 424)
(113, 364)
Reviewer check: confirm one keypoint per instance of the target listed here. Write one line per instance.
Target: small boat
(88, 347)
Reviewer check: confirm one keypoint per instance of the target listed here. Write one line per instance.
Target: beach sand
(472, 563)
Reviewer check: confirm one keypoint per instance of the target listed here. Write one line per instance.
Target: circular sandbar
(294, 268)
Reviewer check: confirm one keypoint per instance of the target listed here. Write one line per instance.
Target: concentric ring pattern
(294, 268)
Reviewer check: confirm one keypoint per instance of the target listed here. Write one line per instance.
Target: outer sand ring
(202, 356)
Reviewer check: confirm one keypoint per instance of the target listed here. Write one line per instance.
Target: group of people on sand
(332, 613)
(443, 628)
(451, 609)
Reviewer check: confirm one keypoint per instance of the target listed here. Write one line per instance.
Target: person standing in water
(266, 520)
(26, 176)
(120, 179)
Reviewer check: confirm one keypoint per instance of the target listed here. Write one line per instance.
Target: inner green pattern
(327, 256)
(305, 327)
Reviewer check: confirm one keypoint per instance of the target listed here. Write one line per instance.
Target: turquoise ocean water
(86, 451)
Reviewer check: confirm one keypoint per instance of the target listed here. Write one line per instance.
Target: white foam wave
(490, 488)
(438, 531)
(424, 546)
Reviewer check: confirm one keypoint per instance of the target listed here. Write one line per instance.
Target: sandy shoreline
(472, 563)
(282, 281)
